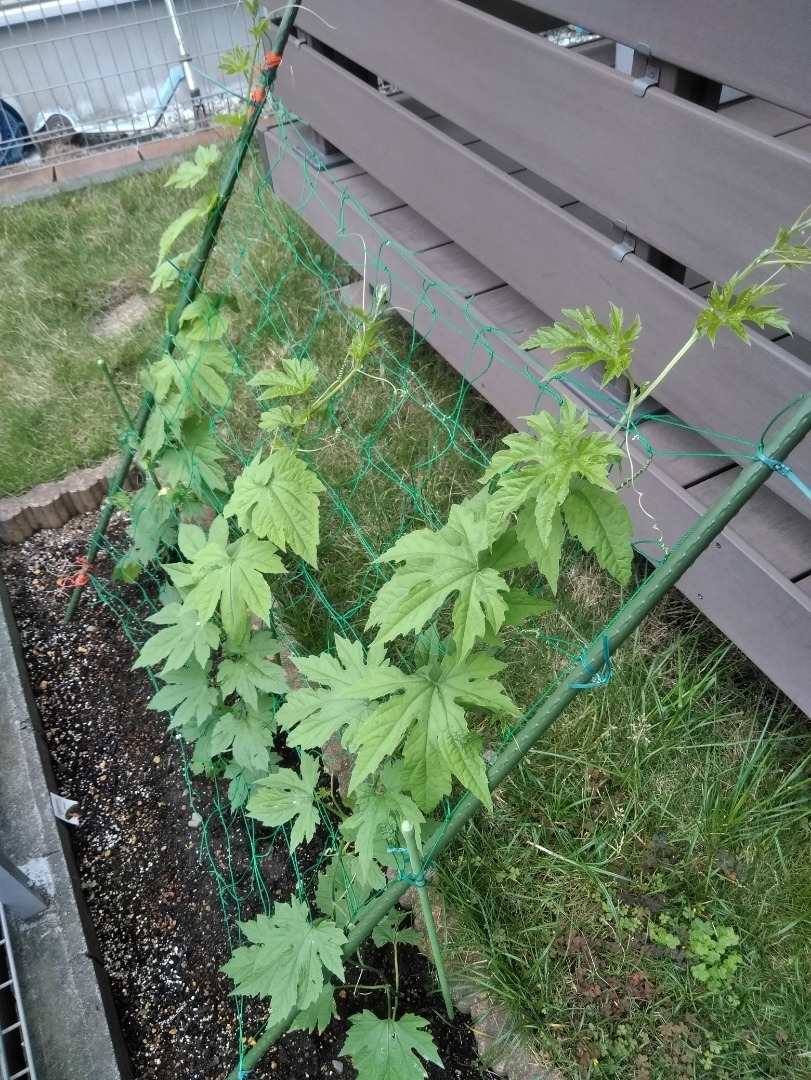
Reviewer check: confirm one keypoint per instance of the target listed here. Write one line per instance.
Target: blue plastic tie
(784, 470)
(600, 678)
(244, 1074)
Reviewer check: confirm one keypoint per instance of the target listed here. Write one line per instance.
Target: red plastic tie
(258, 95)
(272, 60)
(81, 579)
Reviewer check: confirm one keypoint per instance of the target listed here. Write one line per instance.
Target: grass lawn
(639, 901)
(66, 262)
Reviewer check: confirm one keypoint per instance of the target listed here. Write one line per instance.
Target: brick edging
(49, 506)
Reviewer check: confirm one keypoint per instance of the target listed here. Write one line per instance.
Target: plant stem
(415, 857)
(636, 400)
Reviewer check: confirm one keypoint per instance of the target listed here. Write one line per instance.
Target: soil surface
(151, 889)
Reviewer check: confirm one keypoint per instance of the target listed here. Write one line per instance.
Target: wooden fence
(514, 170)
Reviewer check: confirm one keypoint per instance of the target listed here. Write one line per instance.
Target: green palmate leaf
(725, 307)
(152, 527)
(522, 606)
(247, 734)
(229, 576)
(153, 439)
(283, 796)
(283, 416)
(543, 468)
(237, 61)
(426, 707)
(381, 807)
(293, 378)
(180, 224)
(187, 695)
(435, 566)
(508, 553)
(189, 173)
(287, 958)
(388, 1049)
(600, 521)
(390, 931)
(171, 269)
(546, 555)
(193, 463)
(249, 670)
(203, 320)
(184, 635)
(317, 1017)
(344, 887)
(200, 369)
(311, 716)
(592, 343)
(278, 498)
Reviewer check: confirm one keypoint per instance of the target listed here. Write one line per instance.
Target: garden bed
(148, 881)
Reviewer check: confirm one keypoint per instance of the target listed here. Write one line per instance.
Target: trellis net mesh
(403, 441)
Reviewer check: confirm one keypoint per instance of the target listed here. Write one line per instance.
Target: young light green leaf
(247, 734)
(249, 670)
(283, 416)
(189, 173)
(390, 931)
(295, 377)
(318, 1016)
(543, 468)
(278, 498)
(593, 343)
(187, 695)
(180, 224)
(436, 565)
(204, 320)
(310, 715)
(229, 577)
(387, 1049)
(152, 527)
(600, 521)
(153, 439)
(725, 307)
(283, 796)
(236, 61)
(184, 635)
(287, 958)
(381, 806)
(429, 701)
(171, 269)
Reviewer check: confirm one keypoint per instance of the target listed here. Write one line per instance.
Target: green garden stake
(108, 378)
(418, 880)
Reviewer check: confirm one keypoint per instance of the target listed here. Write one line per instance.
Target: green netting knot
(600, 678)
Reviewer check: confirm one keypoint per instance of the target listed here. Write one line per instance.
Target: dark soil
(151, 889)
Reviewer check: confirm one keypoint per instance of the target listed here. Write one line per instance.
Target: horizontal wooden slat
(692, 184)
(762, 612)
(548, 256)
(762, 48)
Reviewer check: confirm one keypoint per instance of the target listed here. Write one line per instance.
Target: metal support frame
(653, 71)
(16, 1059)
(17, 893)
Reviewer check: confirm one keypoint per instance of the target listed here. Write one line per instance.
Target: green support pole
(417, 865)
(192, 285)
(116, 483)
(579, 674)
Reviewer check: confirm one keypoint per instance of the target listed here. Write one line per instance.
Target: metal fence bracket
(652, 72)
(626, 246)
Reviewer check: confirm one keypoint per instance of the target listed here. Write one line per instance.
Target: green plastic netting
(406, 439)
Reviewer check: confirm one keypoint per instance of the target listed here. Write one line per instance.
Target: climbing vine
(448, 597)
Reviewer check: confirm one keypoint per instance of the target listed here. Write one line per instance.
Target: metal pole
(192, 285)
(578, 674)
